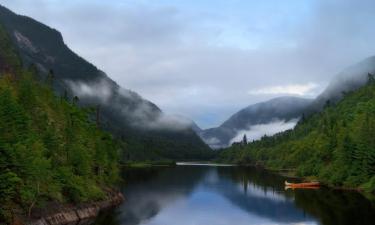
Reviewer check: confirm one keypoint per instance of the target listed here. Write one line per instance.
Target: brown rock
(88, 212)
(78, 214)
(66, 217)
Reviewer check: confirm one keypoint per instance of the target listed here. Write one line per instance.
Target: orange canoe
(302, 185)
(306, 187)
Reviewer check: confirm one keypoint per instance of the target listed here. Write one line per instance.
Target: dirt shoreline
(73, 214)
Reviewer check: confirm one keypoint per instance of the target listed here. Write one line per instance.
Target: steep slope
(50, 150)
(337, 145)
(283, 108)
(348, 80)
(149, 133)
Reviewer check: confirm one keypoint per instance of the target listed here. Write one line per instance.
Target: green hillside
(50, 150)
(121, 113)
(336, 145)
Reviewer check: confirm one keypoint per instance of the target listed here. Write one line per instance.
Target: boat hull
(302, 185)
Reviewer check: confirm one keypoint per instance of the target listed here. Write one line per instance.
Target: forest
(45, 47)
(335, 146)
(50, 150)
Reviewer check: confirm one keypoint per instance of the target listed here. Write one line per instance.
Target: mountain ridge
(122, 112)
(283, 108)
(349, 79)
(335, 145)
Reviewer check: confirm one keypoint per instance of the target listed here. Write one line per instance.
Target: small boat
(305, 187)
(302, 185)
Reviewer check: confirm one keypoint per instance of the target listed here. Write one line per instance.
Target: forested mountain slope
(281, 109)
(287, 108)
(336, 145)
(50, 150)
(146, 130)
(350, 79)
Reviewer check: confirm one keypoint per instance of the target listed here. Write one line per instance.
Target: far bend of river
(216, 195)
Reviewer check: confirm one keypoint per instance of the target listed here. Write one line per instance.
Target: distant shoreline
(204, 164)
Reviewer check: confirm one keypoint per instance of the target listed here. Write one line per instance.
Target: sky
(207, 59)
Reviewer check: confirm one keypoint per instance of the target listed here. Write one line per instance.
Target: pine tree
(244, 139)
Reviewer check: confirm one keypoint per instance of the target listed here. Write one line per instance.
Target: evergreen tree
(244, 139)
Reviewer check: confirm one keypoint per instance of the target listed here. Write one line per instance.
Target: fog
(132, 107)
(255, 132)
(100, 90)
(207, 59)
(348, 80)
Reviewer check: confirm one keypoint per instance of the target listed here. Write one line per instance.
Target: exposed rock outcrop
(74, 215)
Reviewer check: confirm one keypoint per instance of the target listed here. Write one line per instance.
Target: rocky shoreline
(74, 215)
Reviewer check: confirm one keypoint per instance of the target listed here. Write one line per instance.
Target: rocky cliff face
(80, 214)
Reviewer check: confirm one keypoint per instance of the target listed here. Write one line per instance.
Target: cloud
(200, 58)
(139, 112)
(143, 117)
(100, 89)
(212, 141)
(171, 122)
(257, 131)
(293, 89)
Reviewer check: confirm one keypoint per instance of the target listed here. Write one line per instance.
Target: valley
(77, 146)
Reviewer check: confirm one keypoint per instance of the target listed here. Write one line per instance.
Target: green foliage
(370, 185)
(336, 145)
(63, 64)
(159, 145)
(50, 150)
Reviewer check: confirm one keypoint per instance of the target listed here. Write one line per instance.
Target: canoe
(305, 187)
(306, 184)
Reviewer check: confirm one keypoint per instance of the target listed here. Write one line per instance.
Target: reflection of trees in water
(257, 192)
(256, 176)
(331, 207)
(149, 190)
(335, 207)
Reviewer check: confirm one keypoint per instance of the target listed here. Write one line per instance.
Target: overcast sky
(206, 59)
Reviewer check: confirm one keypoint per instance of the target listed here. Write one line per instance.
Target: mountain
(147, 131)
(195, 127)
(282, 108)
(50, 149)
(335, 145)
(349, 79)
(287, 108)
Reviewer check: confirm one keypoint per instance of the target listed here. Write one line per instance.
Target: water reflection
(262, 201)
(202, 195)
(149, 190)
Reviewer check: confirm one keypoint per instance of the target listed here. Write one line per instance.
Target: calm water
(210, 195)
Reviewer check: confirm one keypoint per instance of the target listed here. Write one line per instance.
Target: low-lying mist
(348, 80)
(132, 108)
(255, 132)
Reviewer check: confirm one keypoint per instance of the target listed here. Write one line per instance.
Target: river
(225, 195)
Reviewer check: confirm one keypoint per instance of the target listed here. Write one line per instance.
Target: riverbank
(224, 193)
(291, 174)
(58, 214)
